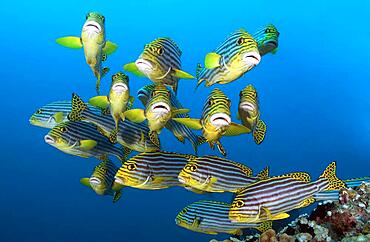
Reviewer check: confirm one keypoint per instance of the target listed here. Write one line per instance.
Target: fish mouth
(252, 58)
(119, 88)
(144, 66)
(95, 181)
(119, 180)
(247, 106)
(271, 43)
(161, 108)
(92, 27)
(220, 120)
(49, 140)
(183, 179)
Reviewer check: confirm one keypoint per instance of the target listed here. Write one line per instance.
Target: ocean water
(314, 97)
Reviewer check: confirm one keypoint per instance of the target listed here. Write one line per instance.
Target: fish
(152, 170)
(237, 55)
(273, 198)
(216, 174)
(158, 111)
(118, 100)
(215, 121)
(180, 131)
(131, 135)
(93, 41)
(212, 217)
(82, 139)
(102, 180)
(54, 113)
(249, 113)
(160, 62)
(267, 39)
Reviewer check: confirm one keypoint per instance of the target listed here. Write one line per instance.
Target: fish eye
(131, 167)
(237, 204)
(39, 111)
(160, 51)
(63, 129)
(240, 41)
(191, 168)
(240, 94)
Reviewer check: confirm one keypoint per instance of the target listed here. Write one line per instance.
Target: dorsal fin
(264, 174)
(300, 176)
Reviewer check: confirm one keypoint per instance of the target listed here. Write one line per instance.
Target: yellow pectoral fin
(182, 74)
(212, 60)
(180, 111)
(109, 47)
(99, 101)
(135, 115)
(88, 144)
(58, 117)
(85, 181)
(158, 180)
(72, 42)
(236, 129)
(191, 123)
(213, 180)
(131, 67)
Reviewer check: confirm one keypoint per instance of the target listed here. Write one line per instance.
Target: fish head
(98, 185)
(246, 49)
(130, 174)
(120, 83)
(267, 38)
(60, 137)
(159, 105)
(45, 116)
(94, 27)
(248, 100)
(244, 208)
(188, 218)
(158, 58)
(42, 119)
(194, 175)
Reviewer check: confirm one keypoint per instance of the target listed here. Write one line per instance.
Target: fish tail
(78, 106)
(200, 140)
(330, 174)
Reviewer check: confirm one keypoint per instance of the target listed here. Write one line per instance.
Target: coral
(347, 219)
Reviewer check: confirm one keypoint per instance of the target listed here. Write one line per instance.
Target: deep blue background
(314, 97)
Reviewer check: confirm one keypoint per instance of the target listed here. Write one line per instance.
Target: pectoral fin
(191, 123)
(182, 74)
(212, 60)
(135, 115)
(85, 181)
(72, 42)
(131, 67)
(259, 132)
(58, 117)
(88, 144)
(99, 101)
(109, 47)
(180, 111)
(236, 129)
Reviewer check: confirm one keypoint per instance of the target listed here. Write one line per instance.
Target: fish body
(81, 139)
(180, 131)
(211, 217)
(215, 121)
(267, 39)
(152, 170)
(160, 62)
(54, 113)
(131, 135)
(93, 41)
(272, 198)
(215, 174)
(249, 113)
(237, 55)
(102, 180)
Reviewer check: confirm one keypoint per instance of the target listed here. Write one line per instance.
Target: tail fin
(334, 182)
(259, 132)
(78, 106)
(200, 140)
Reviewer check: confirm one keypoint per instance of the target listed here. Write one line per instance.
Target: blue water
(314, 97)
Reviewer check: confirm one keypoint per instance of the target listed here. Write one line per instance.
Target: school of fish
(107, 126)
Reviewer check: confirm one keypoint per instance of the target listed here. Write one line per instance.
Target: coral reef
(347, 219)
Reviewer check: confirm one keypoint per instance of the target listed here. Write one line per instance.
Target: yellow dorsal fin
(330, 173)
(300, 176)
(247, 171)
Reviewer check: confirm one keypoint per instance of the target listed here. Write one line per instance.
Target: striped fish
(215, 121)
(92, 39)
(237, 55)
(53, 113)
(267, 39)
(180, 131)
(215, 174)
(131, 135)
(160, 62)
(272, 198)
(117, 101)
(82, 139)
(152, 170)
(249, 113)
(158, 111)
(211, 217)
(102, 180)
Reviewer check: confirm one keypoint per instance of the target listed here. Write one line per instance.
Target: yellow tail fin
(259, 132)
(330, 173)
